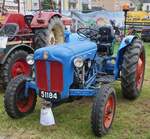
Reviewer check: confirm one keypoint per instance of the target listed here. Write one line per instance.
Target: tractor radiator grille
(41, 75)
(56, 76)
(49, 76)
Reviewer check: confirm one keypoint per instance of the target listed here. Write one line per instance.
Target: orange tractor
(21, 34)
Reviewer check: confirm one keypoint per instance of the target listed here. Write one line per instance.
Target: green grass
(132, 120)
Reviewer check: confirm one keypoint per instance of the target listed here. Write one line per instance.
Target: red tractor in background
(21, 34)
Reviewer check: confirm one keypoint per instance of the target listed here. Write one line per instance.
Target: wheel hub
(20, 67)
(24, 103)
(140, 72)
(109, 112)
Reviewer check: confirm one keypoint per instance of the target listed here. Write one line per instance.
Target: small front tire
(16, 103)
(103, 110)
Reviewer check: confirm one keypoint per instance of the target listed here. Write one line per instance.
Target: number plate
(48, 95)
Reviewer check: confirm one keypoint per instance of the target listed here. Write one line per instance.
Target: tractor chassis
(90, 88)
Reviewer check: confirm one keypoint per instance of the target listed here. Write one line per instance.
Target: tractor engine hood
(67, 51)
(56, 69)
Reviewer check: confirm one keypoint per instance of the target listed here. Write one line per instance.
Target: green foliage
(139, 8)
(48, 4)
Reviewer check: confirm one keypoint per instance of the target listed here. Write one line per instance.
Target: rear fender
(124, 43)
(24, 47)
(41, 20)
(17, 19)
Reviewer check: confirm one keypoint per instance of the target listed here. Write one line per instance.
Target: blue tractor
(82, 67)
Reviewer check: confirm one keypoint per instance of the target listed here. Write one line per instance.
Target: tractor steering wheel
(88, 33)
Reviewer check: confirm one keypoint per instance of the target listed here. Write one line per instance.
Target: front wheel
(133, 68)
(15, 65)
(17, 103)
(103, 110)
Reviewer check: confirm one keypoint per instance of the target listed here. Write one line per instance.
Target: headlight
(78, 62)
(30, 59)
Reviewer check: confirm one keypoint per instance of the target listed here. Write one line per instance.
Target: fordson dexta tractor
(83, 67)
(21, 34)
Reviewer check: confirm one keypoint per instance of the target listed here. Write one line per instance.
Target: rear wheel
(17, 103)
(133, 68)
(103, 110)
(54, 34)
(15, 65)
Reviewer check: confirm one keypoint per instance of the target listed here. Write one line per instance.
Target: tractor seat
(106, 40)
(107, 34)
(10, 30)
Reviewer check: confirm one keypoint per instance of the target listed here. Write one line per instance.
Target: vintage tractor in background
(21, 34)
(83, 67)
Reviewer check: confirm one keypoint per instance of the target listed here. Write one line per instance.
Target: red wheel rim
(109, 111)
(24, 104)
(140, 71)
(20, 67)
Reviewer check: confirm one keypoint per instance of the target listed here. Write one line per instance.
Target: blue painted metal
(108, 65)
(65, 54)
(83, 92)
(74, 37)
(67, 35)
(125, 43)
(90, 81)
(30, 84)
(79, 47)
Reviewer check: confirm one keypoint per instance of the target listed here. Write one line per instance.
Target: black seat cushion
(107, 34)
(105, 45)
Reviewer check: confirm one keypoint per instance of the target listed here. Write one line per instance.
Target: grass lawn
(132, 120)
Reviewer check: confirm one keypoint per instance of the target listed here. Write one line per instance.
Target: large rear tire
(15, 65)
(54, 34)
(103, 110)
(16, 103)
(133, 68)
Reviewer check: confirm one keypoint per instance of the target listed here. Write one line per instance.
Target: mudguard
(25, 47)
(125, 43)
(41, 20)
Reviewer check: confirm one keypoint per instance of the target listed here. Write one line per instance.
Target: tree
(140, 7)
(49, 4)
(138, 4)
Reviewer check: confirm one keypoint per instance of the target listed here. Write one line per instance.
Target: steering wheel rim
(87, 32)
